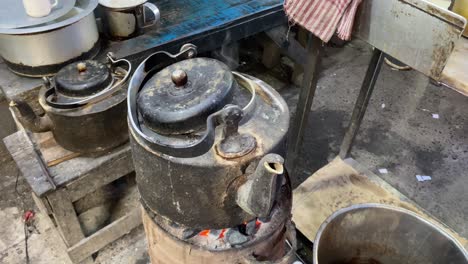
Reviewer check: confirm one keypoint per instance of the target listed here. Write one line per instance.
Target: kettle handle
(164, 144)
(153, 9)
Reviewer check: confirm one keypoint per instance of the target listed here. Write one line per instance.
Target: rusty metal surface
(183, 177)
(243, 235)
(82, 124)
(164, 247)
(261, 240)
(171, 186)
(416, 32)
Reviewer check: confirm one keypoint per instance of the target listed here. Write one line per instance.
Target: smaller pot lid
(83, 78)
(13, 15)
(179, 98)
(121, 3)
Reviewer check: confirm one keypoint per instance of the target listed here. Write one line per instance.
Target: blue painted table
(206, 23)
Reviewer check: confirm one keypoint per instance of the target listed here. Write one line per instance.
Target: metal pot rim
(122, 7)
(90, 6)
(356, 207)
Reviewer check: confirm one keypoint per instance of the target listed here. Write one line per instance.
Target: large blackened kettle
(206, 142)
(84, 105)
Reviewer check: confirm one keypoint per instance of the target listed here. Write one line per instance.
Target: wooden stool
(59, 178)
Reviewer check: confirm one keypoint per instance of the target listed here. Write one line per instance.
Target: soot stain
(428, 159)
(321, 139)
(379, 140)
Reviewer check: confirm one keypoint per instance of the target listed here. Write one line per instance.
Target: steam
(229, 54)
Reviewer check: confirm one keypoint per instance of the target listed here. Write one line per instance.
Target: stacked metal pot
(41, 46)
(37, 46)
(207, 146)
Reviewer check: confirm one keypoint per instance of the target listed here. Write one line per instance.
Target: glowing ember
(231, 235)
(204, 233)
(221, 236)
(257, 224)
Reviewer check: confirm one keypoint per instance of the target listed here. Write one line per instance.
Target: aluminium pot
(44, 49)
(84, 105)
(207, 143)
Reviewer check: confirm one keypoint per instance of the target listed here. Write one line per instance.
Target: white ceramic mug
(39, 8)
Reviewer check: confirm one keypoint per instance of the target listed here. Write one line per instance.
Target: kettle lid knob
(81, 66)
(179, 77)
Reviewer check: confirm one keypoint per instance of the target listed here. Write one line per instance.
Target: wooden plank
(52, 152)
(113, 169)
(44, 207)
(290, 47)
(42, 204)
(65, 217)
(29, 162)
(455, 74)
(86, 166)
(339, 185)
(106, 235)
(271, 53)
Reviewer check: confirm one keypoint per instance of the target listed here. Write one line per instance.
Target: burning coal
(226, 237)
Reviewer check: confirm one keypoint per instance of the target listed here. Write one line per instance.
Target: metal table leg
(362, 101)
(306, 96)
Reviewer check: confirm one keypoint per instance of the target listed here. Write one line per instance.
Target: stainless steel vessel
(128, 18)
(43, 49)
(381, 234)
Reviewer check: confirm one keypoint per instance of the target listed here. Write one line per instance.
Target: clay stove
(207, 146)
(268, 240)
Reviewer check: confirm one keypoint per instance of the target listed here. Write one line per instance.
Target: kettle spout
(258, 194)
(29, 119)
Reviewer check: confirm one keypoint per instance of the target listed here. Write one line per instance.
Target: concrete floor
(398, 133)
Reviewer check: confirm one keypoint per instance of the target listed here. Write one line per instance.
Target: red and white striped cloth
(323, 17)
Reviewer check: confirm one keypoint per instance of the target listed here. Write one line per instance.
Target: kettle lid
(179, 98)
(83, 78)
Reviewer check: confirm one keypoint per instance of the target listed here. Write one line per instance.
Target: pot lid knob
(81, 67)
(83, 78)
(179, 77)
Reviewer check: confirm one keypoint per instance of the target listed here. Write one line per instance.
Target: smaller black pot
(84, 105)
